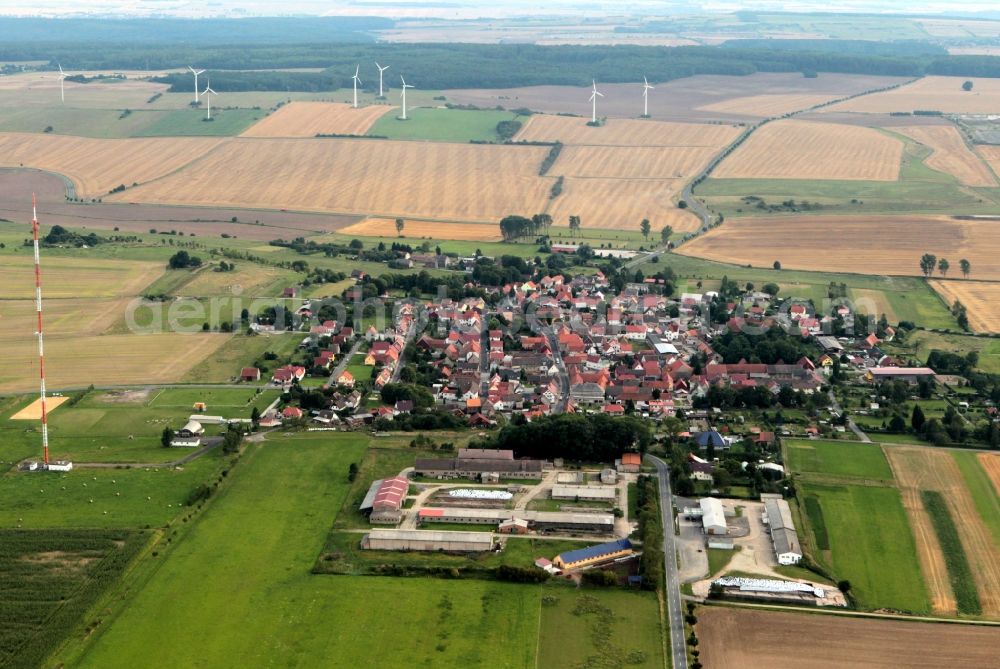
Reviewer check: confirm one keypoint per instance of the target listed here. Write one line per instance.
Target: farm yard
(95, 166)
(732, 638)
(460, 181)
(979, 297)
(950, 154)
(942, 94)
(308, 119)
(840, 243)
(792, 149)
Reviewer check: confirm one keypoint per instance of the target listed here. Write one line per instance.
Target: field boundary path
(850, 421)
(678, 645)
(827, 611)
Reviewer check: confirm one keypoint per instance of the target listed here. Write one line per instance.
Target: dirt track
(733, 638)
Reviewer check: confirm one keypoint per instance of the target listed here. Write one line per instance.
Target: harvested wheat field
(34, 410)
(615, 162)
(812, 150)
(76, 277)
(991, 154)
(920, 468)
(735, 638)
(95, 166)
(950, 154)
(424, 180)
(620, 204)
(929, 554)
(386, 227)
(991, 465)
(942, 94)
(980, 299)
(572, 130)
(75, 362)
(768, 105)
(848, 243)
(308, 119)
(75, 317)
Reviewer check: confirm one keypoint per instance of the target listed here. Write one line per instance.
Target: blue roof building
(584, 557)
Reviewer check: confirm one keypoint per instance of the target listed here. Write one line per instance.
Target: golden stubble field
(620, 204)
(792, 149)
(614, 162)
(980, 299)
(942, 94)
(571, 130)
(64, 276)
(864, 244)
(421, 179)
(950, 154)
(386, 227)
(735, 638)
(308, 119)
(95, 166)
(991, 154)
(768, 105)
(920, 468)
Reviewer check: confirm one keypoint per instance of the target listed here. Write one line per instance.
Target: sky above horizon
(465, 9)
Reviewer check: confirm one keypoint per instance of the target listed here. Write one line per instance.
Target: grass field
(863, 522)
(791, 149)
(956, 562)
(837, 458)
(920, 343)
(192, 123)
(441, 125)
(255, 602)
(224, 363)
(67, 277)
(599, 629)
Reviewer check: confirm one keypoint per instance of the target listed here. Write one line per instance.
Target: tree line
(929, 262)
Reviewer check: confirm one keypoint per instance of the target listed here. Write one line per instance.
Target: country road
(675, 617)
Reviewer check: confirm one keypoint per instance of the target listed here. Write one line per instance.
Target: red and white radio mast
(41, 346)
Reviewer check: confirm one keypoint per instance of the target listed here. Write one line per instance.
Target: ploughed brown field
(863, 244)
(980, 299)
(792, 149)
(951, 154)
(942, 94)
(431, 180)
(308, 119)
(95, 166)
(735, 638)
(681, 99)
(16, 187)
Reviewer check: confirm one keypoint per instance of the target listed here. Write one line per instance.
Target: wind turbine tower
(208, 93)
(195, 73)
(357, 80)
(405, 86)
(646, 88)
(62, 79)
(593, 100)
(41, 345)
(380, 71)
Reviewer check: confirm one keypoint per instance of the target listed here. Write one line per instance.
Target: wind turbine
(195, 73)
(380, 71)
(208, 93)
(646, 88)
(357, 80)
(593, 100)
(405, 86)
(62, 79)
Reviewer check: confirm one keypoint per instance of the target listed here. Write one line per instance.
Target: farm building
(588, 493)
(384, 501)
(609, 476)
(473, 463)
(629, 463)
(188, 436)
(908, 374)
(514, 526)
(427, 540)
(537, 520)
(711, 438)
(250, 374)
(713, 519)
(569, 478)
(778, 516)
(592, 555)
